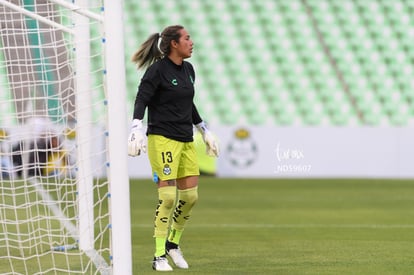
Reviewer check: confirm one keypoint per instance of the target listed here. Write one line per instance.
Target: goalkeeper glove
(212, 148)
(136, 139)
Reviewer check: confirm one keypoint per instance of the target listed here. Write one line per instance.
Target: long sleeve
(146, 91)
(196, 116)
(166, 91)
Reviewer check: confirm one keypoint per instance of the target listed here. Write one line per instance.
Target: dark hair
(149, 51)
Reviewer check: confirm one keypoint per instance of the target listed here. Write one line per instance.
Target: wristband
(202, 127)
(136, 124)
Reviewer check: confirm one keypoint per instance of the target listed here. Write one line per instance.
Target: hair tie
(159, 42)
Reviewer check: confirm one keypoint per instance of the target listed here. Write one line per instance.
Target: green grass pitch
(295, 226)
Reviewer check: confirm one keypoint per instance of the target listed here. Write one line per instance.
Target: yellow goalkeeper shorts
(171, 159)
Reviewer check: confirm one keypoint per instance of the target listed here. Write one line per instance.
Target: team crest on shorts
(166, 170)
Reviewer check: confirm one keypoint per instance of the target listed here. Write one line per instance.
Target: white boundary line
(287, 226)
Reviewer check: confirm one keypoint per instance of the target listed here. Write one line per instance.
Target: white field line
(293, 226)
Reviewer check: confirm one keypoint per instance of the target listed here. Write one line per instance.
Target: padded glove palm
(136, 139)
(212, 148)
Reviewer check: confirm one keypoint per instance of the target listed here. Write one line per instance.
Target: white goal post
(64, 194)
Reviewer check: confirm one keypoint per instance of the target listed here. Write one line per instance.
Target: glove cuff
(202, 127)
(136, 124)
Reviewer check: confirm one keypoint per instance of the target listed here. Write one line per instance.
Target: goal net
(55, 193)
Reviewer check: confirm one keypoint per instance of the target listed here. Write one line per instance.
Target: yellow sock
(166, 201)
(175, 235)
(159, 246)
(186, 200)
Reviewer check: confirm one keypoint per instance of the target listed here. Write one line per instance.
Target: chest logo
(174, 82)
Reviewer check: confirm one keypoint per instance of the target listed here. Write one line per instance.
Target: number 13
(166, 157)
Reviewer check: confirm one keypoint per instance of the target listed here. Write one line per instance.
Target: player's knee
(193, 198)
(167, 196)
(190, 196)
(168, 202)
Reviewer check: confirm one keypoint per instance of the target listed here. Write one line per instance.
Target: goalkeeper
(167, 90)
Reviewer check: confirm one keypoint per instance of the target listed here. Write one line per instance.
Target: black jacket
(167, 90)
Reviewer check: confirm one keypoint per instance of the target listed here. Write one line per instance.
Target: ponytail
(156, 46)
(148, 52)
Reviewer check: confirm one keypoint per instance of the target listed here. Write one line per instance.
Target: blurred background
(296, 87)
(321, 91)
(291, 62)
(300, 88)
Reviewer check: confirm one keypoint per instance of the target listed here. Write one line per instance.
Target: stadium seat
(308, 62)
(283, 62)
